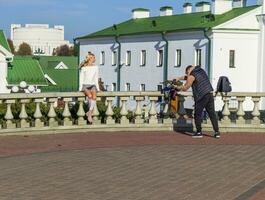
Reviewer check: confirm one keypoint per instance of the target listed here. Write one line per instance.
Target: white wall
(151, 75)
(38, 37)
(3, 74)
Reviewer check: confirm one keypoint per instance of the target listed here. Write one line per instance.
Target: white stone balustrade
(73, 114)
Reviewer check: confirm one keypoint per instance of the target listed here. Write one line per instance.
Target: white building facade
(41, 38)
(221, 45)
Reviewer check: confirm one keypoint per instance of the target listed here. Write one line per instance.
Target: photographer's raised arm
(181, 78)
(188, 83)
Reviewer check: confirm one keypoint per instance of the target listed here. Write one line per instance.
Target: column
(38, 114)
(109, 111)
(138, 111)
(23, 114)
(124, 111)
(9, 115)
(52, 114)
(152, 112)
(66, 113)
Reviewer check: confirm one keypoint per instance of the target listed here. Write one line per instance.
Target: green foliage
(24, 50)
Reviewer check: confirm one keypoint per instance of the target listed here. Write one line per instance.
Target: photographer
(202, 90)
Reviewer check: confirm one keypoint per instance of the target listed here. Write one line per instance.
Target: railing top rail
(76, 94)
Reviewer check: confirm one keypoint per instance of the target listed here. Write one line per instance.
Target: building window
(198, 60)
(142, 87)
(178, 58)
(127, 87)
(232, 58)
(128, 58)
(114, 58)
(113, 87)
(159, 58)
(143, 57)
(102, 58)
(159, 87)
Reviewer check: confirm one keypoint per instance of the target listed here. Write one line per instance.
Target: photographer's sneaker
(217, 135)
(197, 135)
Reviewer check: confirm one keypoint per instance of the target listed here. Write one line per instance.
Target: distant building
(42, 73)
(41, 38)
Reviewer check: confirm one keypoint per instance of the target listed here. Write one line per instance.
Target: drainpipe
(78, 61)
(165, 74)
(119, 64)
(209, 51)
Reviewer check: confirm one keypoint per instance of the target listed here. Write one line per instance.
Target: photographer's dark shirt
(201, 85)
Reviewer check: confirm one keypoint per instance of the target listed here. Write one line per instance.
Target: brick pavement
(132, 166)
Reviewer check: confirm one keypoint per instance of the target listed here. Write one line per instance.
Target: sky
(80, 17)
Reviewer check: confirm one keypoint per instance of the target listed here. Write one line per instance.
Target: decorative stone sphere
(15, 89)
(31, 88)
(23, 84)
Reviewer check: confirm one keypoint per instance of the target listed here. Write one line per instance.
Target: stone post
(226, 112)
(240, 112)
(256, 113)
(52, 114)
(138, 111)
(9, 115)
(66, 113)
(81, 113)
(96, 119)
(38, 114)
(152, 112)
(181, 111)
(23, 114)
(124, 111)
(109, 111)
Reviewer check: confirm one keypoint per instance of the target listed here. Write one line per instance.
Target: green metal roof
(52, 61)
(202, 3)
(3, 41)
(140, 9)
(166, 8)
(187, 4)
(175, 23)
(25, 68)
(66, 79)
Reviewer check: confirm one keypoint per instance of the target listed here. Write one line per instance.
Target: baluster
(38, 114)
(52, 114)
(138, 111)
(81, 113)
(95, 115)
(109, 111)
(181, 110)
(23, 114)
(240, 112)
(66, 112)
(152, 112)
(124, 111)
(256, 113)
(226, 112)
(9, 115)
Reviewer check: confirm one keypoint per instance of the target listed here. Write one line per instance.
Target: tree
(24, 49)
(63, 50)
(11, 45)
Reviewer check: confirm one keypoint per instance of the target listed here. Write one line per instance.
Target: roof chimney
(139, 13)
(187, 8)
(239, 3)
(166, 11)
(203, 6)
(221, 6)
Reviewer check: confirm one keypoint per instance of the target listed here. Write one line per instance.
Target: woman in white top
(89, 82)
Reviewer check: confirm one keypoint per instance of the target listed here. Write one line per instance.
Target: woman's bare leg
(88, 93)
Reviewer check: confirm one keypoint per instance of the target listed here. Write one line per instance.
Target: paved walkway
(132, 166)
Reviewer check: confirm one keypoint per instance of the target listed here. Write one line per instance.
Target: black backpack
(223, 85)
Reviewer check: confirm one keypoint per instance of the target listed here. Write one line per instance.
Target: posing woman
(89, 82)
